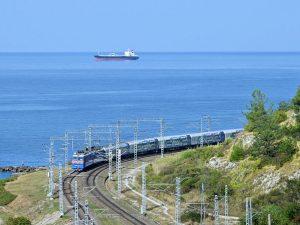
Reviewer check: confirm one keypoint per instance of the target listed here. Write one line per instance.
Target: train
(86, 158)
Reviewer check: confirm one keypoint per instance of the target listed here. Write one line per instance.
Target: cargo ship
(128, 55)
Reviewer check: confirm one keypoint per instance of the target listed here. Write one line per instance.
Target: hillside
(263, 163)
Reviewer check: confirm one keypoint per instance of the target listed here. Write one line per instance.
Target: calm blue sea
(4, 175)
(44, 94)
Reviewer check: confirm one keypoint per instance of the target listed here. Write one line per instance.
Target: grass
(5, 196)
(30, 199)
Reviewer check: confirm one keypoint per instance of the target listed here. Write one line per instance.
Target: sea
(42, 95)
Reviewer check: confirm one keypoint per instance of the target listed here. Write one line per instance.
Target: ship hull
(115, 58)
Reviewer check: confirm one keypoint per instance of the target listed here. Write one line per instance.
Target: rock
(295, 175)
(20, 169)
(268, 181)
(247, 140)
(220, 163)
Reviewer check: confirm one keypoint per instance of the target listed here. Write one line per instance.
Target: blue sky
(152, 25)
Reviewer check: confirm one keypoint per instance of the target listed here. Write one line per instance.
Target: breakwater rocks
(21, 169)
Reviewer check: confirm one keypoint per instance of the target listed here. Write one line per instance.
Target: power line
(248, 211)
(51, 167)
(162, 141)
(144, 190)
(177, 202)
(226, 209)
(76, 213)
(136, 128)
(216, 210)
(119, 163)
(110, 162)
(60, 189)
(202, 205)
(86, 213)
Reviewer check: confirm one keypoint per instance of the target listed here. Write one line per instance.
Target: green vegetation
(296, 101)
(5, 196)
(29, 191)
(18, 221)
(268, 147)
(237, 153)
(286, 201)
(273, 143)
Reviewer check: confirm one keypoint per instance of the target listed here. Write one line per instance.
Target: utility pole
(66, 149)
(269, 219)
(162, 141)
(248, 211)
(86, 213)
(51, 167)
(136, 144)
(226, 206)
(60, 191)
(76, 213)
(90, 138)
(201, 131)
(177, 202)
(110, 161)
(205, 125)
(216, 210)
(119, 163)
(144, 190)
(202, 205)
(86, 144)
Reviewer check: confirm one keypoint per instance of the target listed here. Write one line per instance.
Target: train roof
(229, 131)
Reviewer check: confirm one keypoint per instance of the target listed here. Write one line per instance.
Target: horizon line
(36, 52)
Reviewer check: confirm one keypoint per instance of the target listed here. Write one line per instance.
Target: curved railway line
(90, 180)
(68, 193)
(108, 202)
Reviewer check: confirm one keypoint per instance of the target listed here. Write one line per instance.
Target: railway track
(109, 202)
(68, 193)
(90, 181)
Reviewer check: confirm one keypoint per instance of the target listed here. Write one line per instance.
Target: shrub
(18, 221)
(280, 116)
(278, 216)
(190, 216)
(237, 153)
(286, 149)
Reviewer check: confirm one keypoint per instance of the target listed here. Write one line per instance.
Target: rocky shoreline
(21, 169)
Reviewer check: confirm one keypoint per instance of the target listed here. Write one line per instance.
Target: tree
(296, 101)
(256, 111)
(267, 133)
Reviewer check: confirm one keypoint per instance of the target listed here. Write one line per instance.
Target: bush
(280, 116)
(237, 153)
(286, 149)
(190, 216)
(18, 221)
(278, 216)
